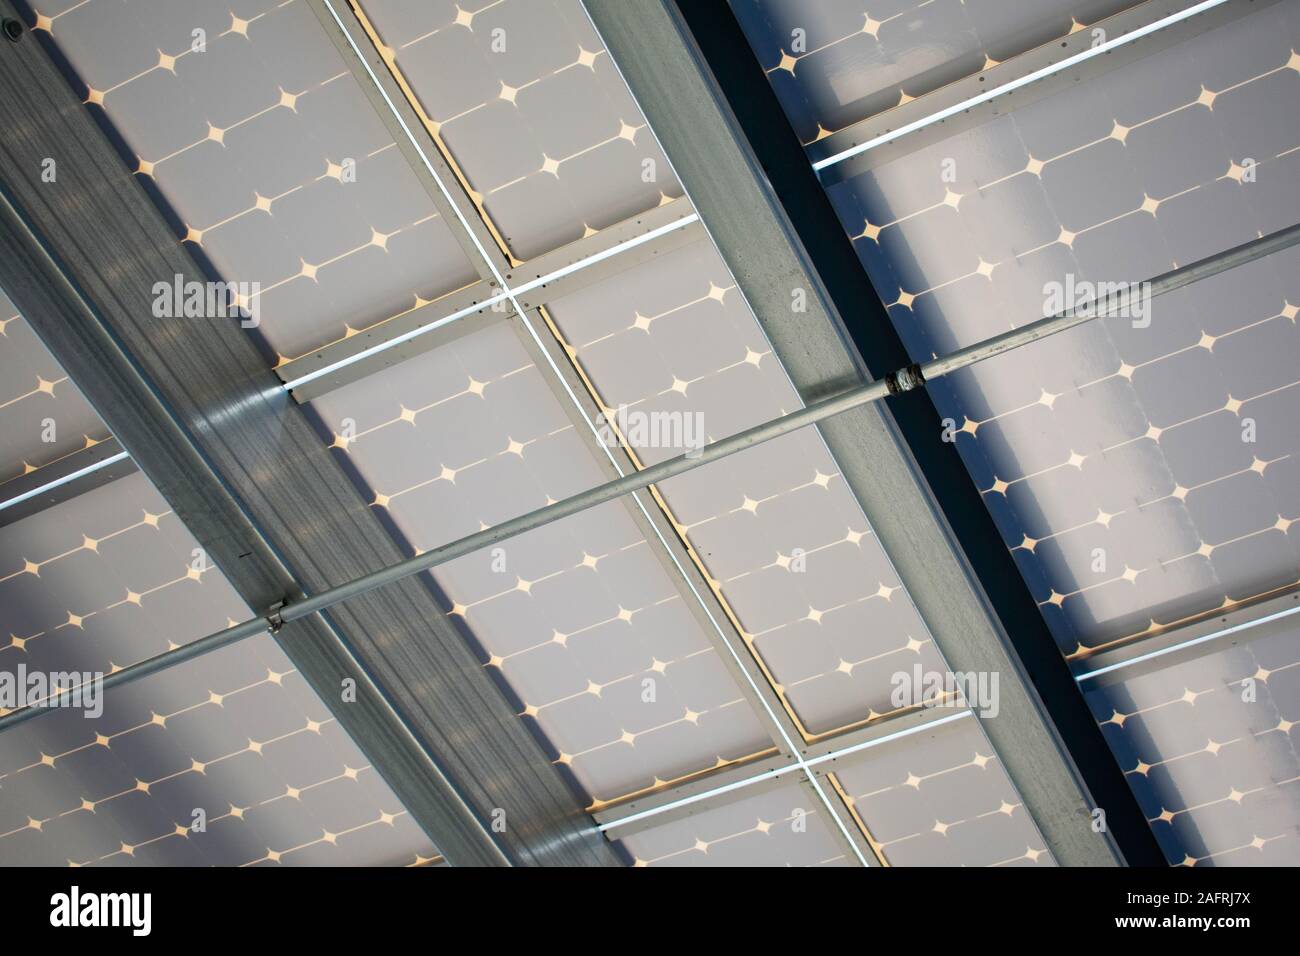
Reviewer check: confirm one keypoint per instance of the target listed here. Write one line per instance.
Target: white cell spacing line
(895, 383)
(1057, 67)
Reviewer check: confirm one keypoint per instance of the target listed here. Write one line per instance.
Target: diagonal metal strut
(897, 382)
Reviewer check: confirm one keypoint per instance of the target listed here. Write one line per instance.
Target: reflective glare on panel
(1142, 470)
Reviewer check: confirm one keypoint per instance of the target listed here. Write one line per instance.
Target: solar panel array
(581, 619)
(228, 761)
(1142, 469)
(593, 628)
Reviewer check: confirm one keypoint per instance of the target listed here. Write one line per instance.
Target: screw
(13, 29)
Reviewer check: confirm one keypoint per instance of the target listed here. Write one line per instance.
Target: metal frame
(557, 273)
(687, 801)
(904, 380)
(563, 270)
(71, 475)
(576, 264)
(1181, 643)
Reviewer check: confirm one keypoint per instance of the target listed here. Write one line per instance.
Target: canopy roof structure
(475, 433)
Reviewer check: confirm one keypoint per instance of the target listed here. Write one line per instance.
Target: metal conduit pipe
(903, 380)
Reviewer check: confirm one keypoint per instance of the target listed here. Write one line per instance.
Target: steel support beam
(241, 464)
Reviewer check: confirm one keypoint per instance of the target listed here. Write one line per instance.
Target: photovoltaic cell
(778, 534)
(43, 417)
(260, 146)
(836, 62)
(524, 101)
(581, 619)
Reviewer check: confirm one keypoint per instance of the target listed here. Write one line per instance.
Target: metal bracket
(274, 619)
(905, 379)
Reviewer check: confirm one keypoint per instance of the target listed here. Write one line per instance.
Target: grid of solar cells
(778, 534)
(581, 619)
(265, 153)
(43, 417)
(228, 761)
(523, 100)
(1141, 475)
(585, 692)
(1209, 748)
(837, 62)
(940, 798)
(104, 580)
(783, 826)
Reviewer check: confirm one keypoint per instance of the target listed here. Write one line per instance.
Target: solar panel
(1142, 468)
(1141, 475)
(526, 104)
(595, 641)
(775, 530)
(269, 160)
(43, 418)
(596, 638)
(1207, 747)
(835, 63)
